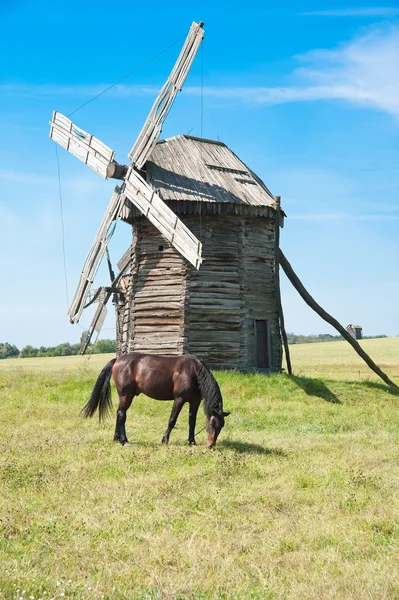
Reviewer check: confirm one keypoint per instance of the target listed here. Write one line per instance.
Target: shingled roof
(187, 168)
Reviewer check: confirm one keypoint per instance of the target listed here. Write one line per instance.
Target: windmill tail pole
(288, 270)
(278, 290)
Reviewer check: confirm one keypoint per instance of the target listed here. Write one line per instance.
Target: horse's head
(214, 426)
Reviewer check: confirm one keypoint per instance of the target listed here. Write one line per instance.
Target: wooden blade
(95, 255)
(152, 128)
(81, 144)
(99, 317)
(96, 324)
(124, 261)
(141, 194)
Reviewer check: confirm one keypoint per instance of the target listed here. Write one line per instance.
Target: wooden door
(261, 337)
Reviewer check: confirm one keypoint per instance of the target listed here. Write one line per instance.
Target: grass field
(300, 499)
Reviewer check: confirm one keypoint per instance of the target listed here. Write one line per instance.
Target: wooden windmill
(134, 189)
(176, 193)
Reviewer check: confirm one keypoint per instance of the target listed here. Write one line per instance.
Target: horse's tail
(101, 394)
(209, 388)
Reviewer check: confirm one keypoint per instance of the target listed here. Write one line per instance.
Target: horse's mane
(210, 389)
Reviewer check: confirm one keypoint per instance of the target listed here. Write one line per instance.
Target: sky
(305, 93)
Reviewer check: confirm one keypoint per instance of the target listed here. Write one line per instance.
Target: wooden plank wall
(175, 309)
(214, 302)
(234, 287)
(257, 273)
(157, 304)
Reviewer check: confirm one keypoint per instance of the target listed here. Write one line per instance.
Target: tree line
(66, 349)
(323, 337)
(107, 346)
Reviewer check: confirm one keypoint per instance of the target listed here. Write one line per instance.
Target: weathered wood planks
(81, 144)
(142, 195)
(152, 127)
(210, 312)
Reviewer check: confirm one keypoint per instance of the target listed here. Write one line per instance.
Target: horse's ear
(226, 414)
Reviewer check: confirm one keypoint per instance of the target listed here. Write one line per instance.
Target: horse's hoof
(165, 440)
(193, 443)
(126, 445)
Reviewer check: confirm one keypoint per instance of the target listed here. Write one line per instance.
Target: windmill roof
(188, 168)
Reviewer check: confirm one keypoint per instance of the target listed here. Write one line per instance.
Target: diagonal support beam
(300, 288)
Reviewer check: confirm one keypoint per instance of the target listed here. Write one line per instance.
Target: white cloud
(379, 11)
(363, 72)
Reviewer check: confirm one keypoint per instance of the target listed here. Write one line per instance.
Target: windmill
(134, 190)
(230, 311)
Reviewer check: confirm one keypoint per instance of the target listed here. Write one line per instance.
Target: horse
(178, 378)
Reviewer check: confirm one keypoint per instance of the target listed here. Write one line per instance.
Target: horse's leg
(176, 408)
(125, 401)
(192, 419)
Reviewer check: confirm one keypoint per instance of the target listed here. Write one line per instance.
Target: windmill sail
(144, 197)
(81, 144)
(100, 158)
(102, 296)
(96, 324)
(124, 260)
(152, 128)
(95, 255)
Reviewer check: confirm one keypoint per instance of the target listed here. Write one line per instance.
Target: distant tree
(8, 351)
(28, 352)
(322, 337)
(104, 347)
(75, 348)
(311, 339)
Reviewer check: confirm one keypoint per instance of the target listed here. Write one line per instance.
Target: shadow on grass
(315, 387)
(246, 447)
(373, 385)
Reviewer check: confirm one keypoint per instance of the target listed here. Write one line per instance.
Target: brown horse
(178, 378)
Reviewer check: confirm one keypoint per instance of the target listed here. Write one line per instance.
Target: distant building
(355, 331)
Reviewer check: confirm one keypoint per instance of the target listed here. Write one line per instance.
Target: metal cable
(128, 75)
(62, 225)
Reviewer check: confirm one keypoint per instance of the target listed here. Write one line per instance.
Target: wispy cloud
(378, 11)
(363, 72)
(52, 90)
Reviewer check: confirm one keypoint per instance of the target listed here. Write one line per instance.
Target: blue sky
(307, 94)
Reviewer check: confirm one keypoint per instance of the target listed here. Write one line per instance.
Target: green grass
(300, 499)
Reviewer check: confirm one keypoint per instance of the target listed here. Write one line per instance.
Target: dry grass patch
(300, 500)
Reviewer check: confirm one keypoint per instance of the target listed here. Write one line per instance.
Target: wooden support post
(327, 317)
(278, 292)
